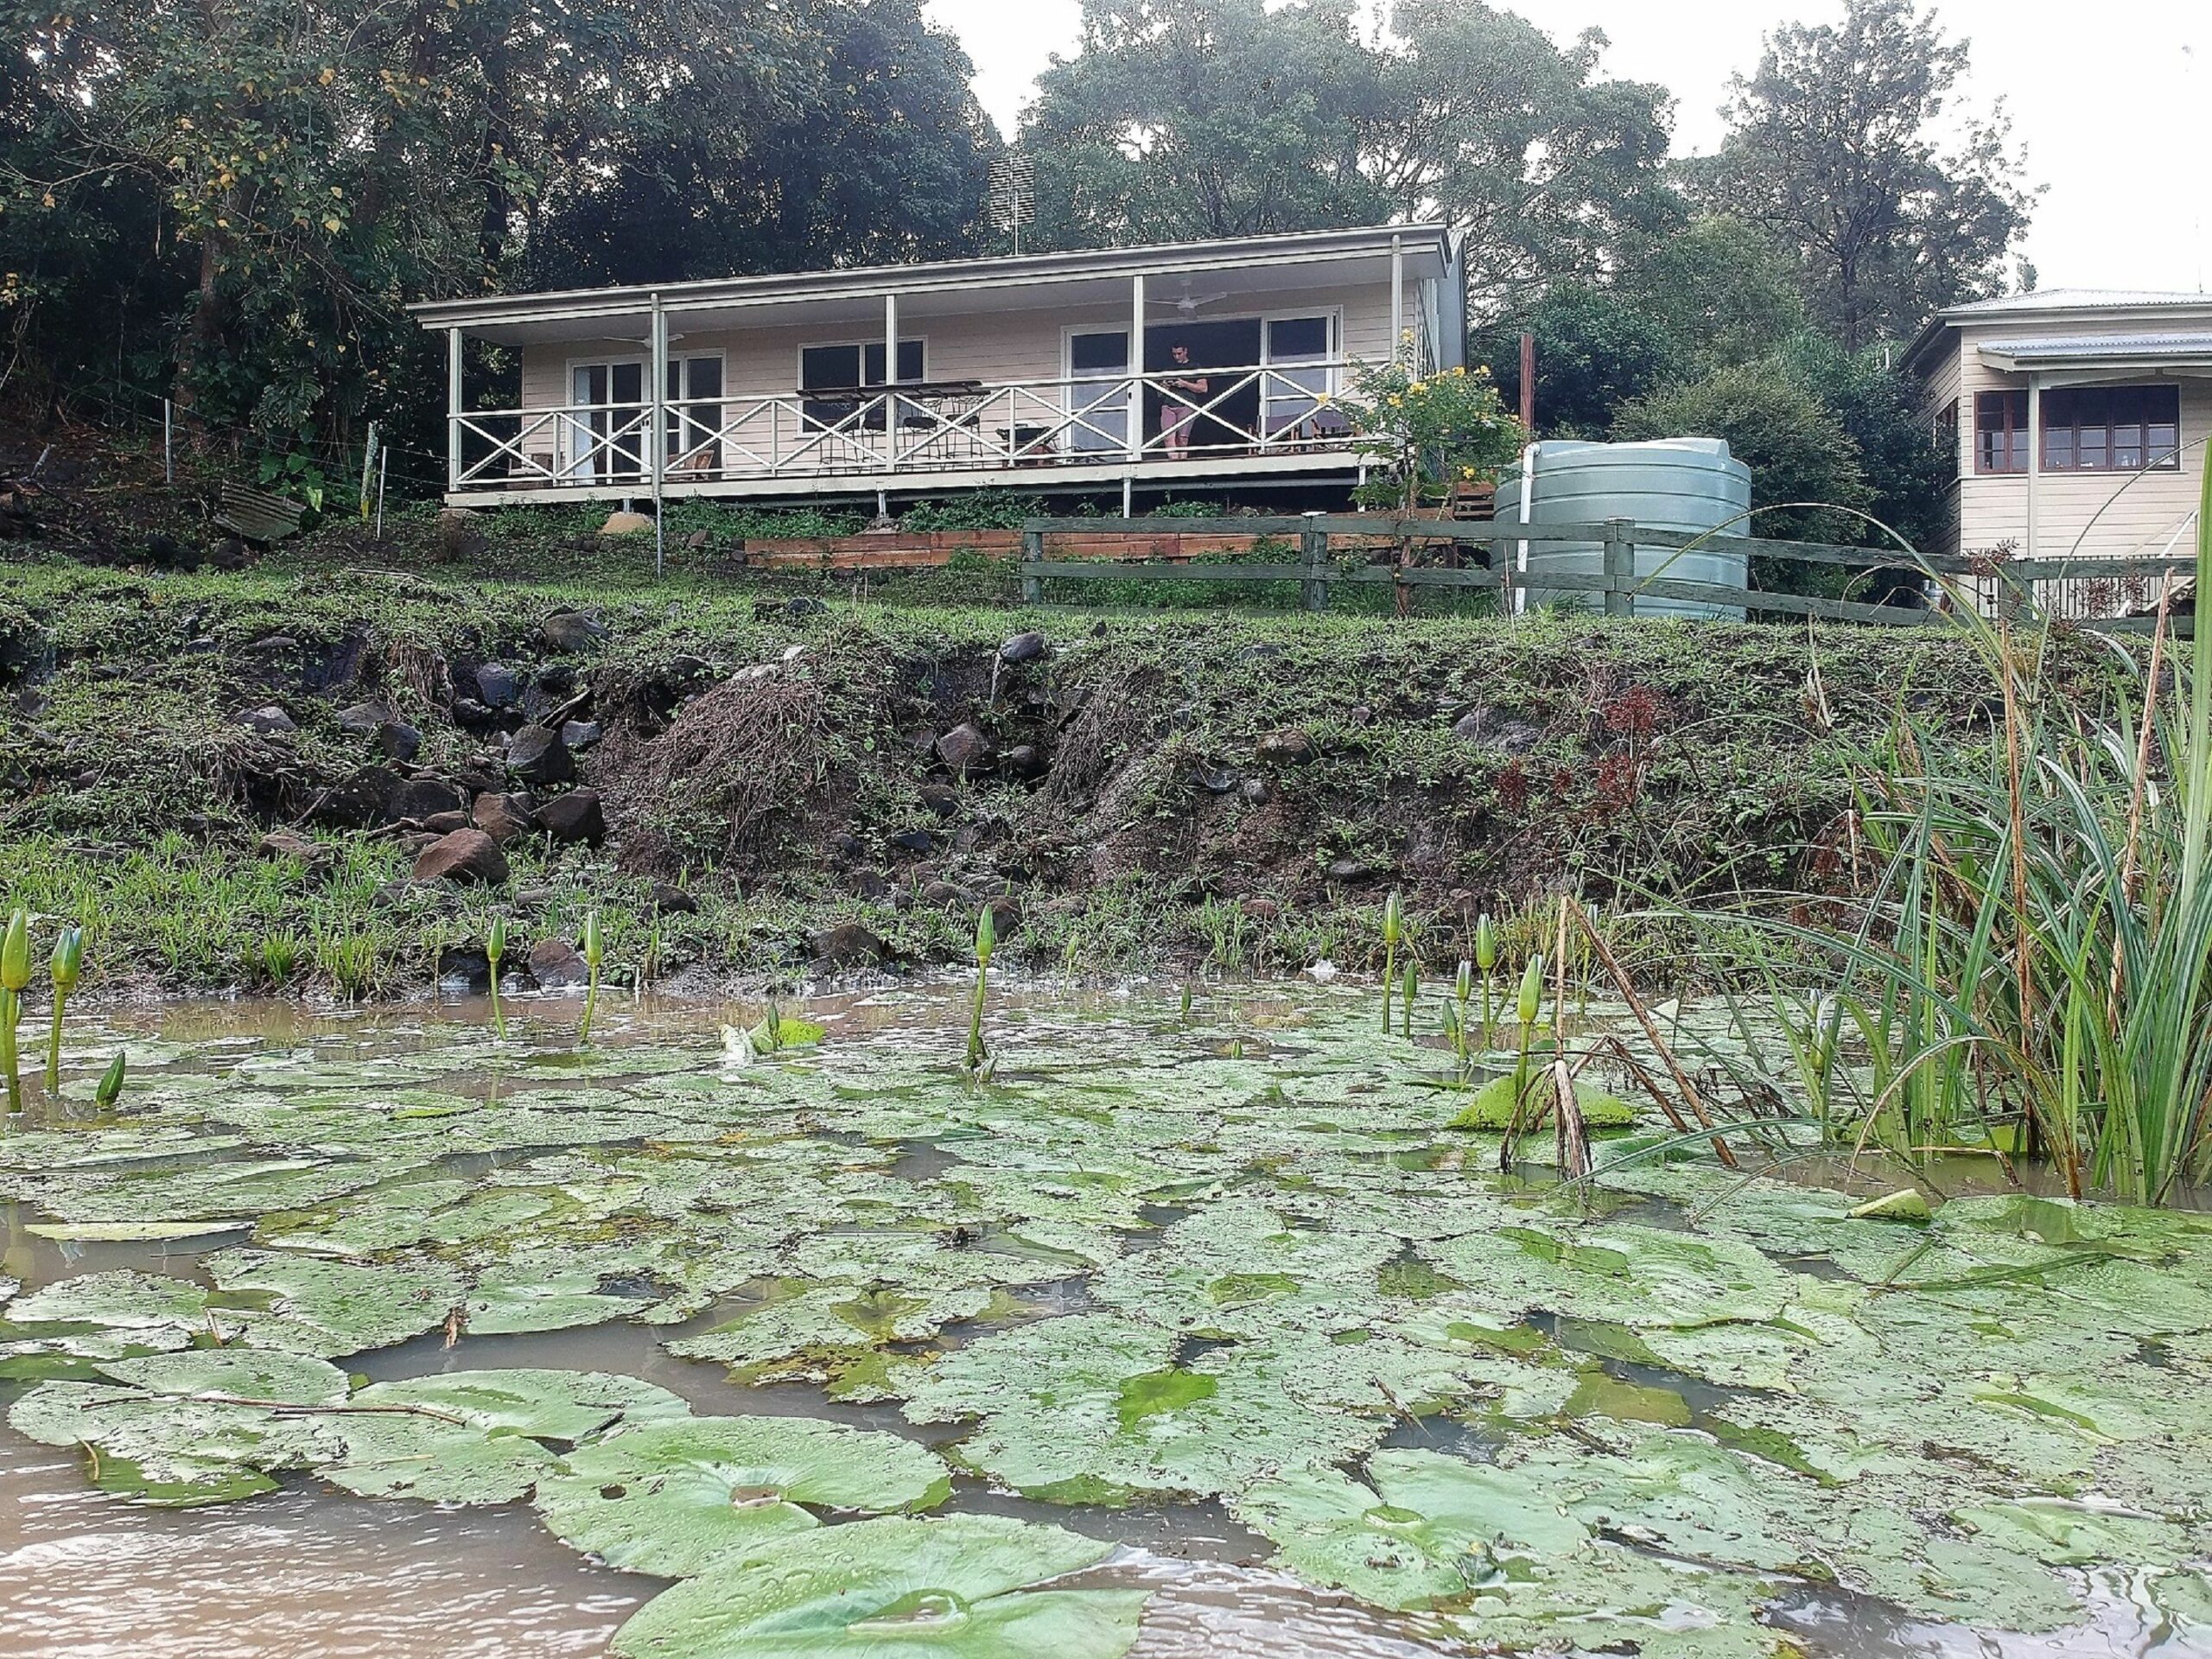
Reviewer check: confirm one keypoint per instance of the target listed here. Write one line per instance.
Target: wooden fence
(2008, 587)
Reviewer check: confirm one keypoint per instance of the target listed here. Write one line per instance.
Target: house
(899, 381)
(2076, 419)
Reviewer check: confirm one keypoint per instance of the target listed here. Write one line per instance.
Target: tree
(1596, 349)
(1188, 119)
(1908, 473)
(875, 152)
(1832, 148)
(1551, 169)
(1797, 450)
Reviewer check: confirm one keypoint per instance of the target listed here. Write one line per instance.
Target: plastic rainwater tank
(1685, 484)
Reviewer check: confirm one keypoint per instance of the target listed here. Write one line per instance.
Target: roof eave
(578, 303)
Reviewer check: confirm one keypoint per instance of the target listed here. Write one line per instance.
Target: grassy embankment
(1223, 790)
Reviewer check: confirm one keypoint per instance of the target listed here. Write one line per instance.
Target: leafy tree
(1797, 450)
(1551, 169)
(877, 154)
(1718, 288)
(1188, 119)
(1908, 476)
(1596, 349)
(1832, 148)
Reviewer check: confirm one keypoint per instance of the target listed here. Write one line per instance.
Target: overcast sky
(2112, 116)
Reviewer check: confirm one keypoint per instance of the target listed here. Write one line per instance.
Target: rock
(625, 524)
(579, 734)
(940, 799)
(941, 891)
(460, 534)
(572, 631)
(467, 711)
(804, 607)
(1026, 762)
(417, 841)
(503, 816)
(444, 823)
(673, 901)
(537, 755)
(1261, 910)
(698, 541)
(556, 965)
(398, 741)
(1361, 715)
(964, 748)
(462, 856)
(1006, 915)
(1287, 748)
(285, 843)
(1215, 781)
(1022, 648)
(845, 945)
(465, 964)
(913, 841)
(574, 816)
(1347, 869)
(542, 704)
(869, 884)
(229, 554)
(1258, 791)
(497, 684)
(684, 671)
(1486, 727)
(362, 719)
(269, 720)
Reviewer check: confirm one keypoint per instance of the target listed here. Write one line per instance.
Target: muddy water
(309, 1572)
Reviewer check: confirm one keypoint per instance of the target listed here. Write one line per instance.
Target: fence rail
(2007, 588)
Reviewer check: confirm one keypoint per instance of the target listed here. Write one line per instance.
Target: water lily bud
(987, 937)
(68, 960)
(1464, 986)
(110, 1084)
(593, 949)
(1532, 991)
(495, 940)
(16, 954)
(1393, 919)
(1485, 944)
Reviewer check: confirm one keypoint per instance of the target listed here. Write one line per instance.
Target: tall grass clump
(2026, 964)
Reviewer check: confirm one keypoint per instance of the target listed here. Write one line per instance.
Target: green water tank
(1685, 484)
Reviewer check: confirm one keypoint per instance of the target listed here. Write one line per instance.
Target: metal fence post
(169, 450)
(1313, 554)
(1032, 555)
(1620, 567)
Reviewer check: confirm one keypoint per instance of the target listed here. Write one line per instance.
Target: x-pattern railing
(1254, 409)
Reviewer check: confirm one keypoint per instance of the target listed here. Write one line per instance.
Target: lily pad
(670, 1497)
(957, 1587)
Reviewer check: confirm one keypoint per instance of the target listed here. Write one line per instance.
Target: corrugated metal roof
(2074, 299)
(2084, 348)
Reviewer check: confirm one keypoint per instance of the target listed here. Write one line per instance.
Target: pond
(1187, 1331)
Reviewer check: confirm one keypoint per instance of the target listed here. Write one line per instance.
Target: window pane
(910, 359)
(1295, 337)
(2163, 442)
(831, 365)
(2000, 418)
(2058, 448)
(1107, 353)
(706, 377)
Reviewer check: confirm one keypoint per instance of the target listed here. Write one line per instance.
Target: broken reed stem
(2137, 788)
(1566, 1111)
(1688, 1091)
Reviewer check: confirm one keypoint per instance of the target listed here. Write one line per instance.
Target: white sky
(2111, 119)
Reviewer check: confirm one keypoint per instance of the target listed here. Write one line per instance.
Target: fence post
(368, 465)
(1620, 567)
(169, 450)
(1032, 555)
(1313, 554)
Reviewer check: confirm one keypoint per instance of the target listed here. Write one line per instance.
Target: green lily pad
(670, 1497)
(957, 1587)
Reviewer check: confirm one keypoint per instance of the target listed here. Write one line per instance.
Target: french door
(606, 423)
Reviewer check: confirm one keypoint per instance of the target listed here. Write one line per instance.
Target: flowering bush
(1425, 435)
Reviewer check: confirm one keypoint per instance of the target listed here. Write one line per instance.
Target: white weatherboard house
(1212, 364)
(2077, 419)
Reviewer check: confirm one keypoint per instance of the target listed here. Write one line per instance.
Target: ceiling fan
(1188, 303)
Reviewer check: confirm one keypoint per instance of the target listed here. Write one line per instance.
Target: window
(694, 413)
(2111, 428)
(1098, 392)
(1298, 378)
(2000, 432)
(847, 369)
